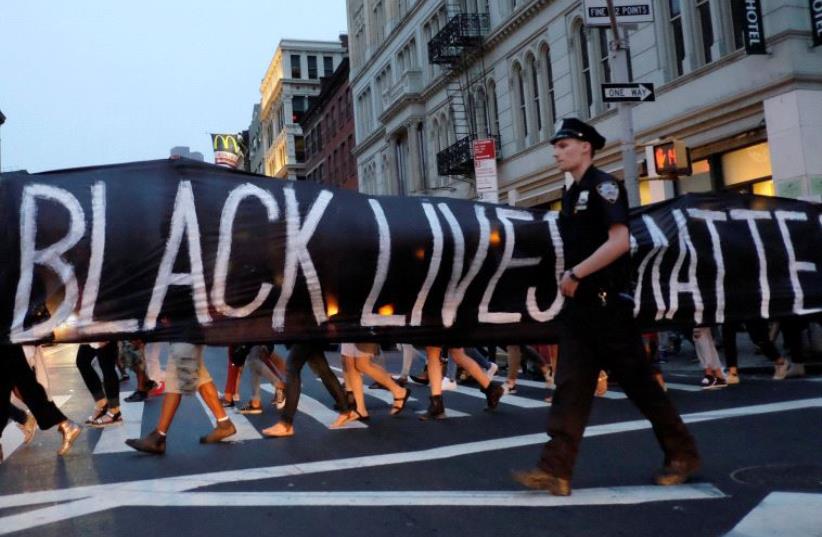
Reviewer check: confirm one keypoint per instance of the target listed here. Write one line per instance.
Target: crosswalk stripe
(245, 429)
(521, 402)
(541, 385)
(781, 513)
(13, 437)
(112, 439)
(318, 411)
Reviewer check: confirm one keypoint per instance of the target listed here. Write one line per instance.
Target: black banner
(816, 21)
(182, 250)
(754, 28)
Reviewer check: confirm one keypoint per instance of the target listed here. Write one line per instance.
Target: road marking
(782, 513)
(245, 429)
(417, 498)
(13, 436)
(112, 439)
(521, 402)
(541, 386)
(683, 387)
(95, 498)
(318, 411)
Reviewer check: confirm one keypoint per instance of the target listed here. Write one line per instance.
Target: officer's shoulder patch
(609, 190)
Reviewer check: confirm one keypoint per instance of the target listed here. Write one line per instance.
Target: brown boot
(154, 443)
(539, 479)
(223, 430)
(677, 471)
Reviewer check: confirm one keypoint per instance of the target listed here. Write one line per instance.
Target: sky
(92, 82)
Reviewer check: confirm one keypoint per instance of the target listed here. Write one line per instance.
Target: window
(298, 108)
(749, 169)
(585, 69)
(295, 66)
(703, 9)
(492, 101)
(312, 67)
(352, 164)
(549, 74)
(675, 12)
(604, 56)
(299, 148)
(535, 87)
(328, 66)
(522, 105)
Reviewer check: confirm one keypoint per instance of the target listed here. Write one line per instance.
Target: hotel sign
(816, 21)
(754, 29)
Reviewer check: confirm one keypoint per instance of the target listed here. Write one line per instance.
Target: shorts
(186, 371)
(352, 350)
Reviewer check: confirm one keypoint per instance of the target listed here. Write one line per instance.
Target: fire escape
(458, 47)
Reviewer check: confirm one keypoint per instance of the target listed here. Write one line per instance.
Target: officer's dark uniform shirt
(589, 208)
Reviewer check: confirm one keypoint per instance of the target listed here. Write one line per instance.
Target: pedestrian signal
(669, 158)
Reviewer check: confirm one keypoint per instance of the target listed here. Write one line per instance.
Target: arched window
(522, 108)
(585, 70)
(550, 94)
(483, 128)
(494, 108)
(535, 94)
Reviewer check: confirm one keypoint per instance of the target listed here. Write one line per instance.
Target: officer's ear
(590, 148)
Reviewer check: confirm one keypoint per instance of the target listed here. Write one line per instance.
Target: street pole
(620, 49)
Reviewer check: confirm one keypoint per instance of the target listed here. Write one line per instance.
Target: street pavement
(760, 442)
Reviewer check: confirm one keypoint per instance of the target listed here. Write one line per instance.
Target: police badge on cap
(578, 130)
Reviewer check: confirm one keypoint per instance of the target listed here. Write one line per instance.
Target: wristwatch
(573, 276)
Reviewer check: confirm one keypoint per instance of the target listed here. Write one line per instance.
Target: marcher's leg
(85, 355)
(354, 386)
(380, 375)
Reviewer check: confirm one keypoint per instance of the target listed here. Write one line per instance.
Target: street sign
(485, 169)
(627, 93)
(627, 11)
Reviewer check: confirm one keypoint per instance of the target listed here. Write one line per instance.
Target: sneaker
(732, 378)
(707, 381)
(154, 443)
(70, 432)
(28, 429)
(137, 397)
(539, 479)
(159, 388)
(780, 371)
(795, 370)
(223, 430)
(279, 399)
(107, 420)
(718, 383)
(226, 404)
(510, 388)
(448, 384)
(491, 371)
(249, 408)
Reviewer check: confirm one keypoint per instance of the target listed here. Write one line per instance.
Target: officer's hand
(567, 286)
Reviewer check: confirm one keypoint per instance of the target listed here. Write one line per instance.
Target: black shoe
(677, 472)
(154, 443)
(493, 393)
(402, 382)
(436, 410)
(137, 396)
(419, 380)
(539, 479)
(377, 386)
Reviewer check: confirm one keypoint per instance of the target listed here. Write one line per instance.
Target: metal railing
(458, 158)
(463, 31)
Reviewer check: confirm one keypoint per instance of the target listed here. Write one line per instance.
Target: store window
(749, 170)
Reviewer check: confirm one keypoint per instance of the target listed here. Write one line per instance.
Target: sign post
(485, 169)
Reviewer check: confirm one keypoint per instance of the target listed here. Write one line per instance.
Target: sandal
(107, 419)
(399, 404)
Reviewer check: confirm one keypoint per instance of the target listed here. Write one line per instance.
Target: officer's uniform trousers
(594, 337)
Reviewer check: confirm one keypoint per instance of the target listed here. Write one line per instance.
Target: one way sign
(626, 93)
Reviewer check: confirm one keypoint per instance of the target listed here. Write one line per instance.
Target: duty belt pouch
(188, 366)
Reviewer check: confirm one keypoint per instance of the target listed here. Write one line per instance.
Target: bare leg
(171, 401)
(353, 383)
(376, 372)
(434, 369)
(470, 366)
(212, 399)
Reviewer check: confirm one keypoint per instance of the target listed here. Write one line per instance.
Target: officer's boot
(493, 393)
(436, 410)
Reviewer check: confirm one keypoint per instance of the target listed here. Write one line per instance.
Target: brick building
(328, 125)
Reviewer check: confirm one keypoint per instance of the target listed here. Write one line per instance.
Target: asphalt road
(760, 441)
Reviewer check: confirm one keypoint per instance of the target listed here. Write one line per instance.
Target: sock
(223, 419)
(161, 433)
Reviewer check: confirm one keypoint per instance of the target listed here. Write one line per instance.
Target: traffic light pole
(620, 49)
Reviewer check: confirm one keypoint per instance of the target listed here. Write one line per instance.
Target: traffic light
(668, 158)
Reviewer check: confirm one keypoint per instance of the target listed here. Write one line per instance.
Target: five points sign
(626, 11)
(629, 92)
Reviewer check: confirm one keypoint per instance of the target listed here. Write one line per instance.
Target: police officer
(598, 328)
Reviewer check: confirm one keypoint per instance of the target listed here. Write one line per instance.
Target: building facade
(329, 133)
(429, 76)
(256, 152)
(292, 78)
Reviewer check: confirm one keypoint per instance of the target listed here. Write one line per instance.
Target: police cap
(578, 130)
